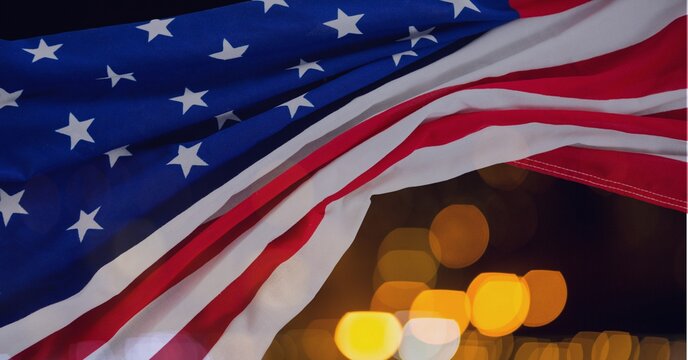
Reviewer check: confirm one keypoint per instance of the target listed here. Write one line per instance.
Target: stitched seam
(602, 185)
(608, 180)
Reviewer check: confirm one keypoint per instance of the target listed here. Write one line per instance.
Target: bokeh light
(406, 238)
(585, 339)
(654, 348)
(529, 351)
(612, 345)
(448, 304)
(548, 296)
(496, 347)
(471, 352)
(571, 351)
(394, 296)
(318, 340)
(550, 351)
(499, 303)
(677, 349)
(407, 265)
(368, 335)
(459, 235)
(503, 176)
(429, 338)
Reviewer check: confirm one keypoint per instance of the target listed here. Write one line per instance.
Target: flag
(181, 187)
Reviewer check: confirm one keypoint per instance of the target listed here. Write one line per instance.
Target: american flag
(182, 187)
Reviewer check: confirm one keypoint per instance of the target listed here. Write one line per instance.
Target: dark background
(21, 19)
(624, 260)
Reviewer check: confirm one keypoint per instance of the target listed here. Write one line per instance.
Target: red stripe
(532, 8)
(628, 174)
(102, 322)
(655, 65)
(680, 114)
(207, 327)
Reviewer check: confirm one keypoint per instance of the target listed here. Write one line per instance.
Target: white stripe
(294, 283)
(116, 275)
(170, 312)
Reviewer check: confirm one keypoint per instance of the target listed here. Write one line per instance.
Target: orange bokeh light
(548, 296)
(459, 235)
(448, 304)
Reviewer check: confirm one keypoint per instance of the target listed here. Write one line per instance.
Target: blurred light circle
(405, 239)
(503, 176)
(459, 235)
(617, 345)
(677, 349)
(499, 303)
(407, 265)
(655, 348)
(548, 296)
(496, 347)
(447, 304)
(529, 351)
(549, 352)
(393, 296)
(600, 348)
(472, 352)
(585, 339)
(319, 344)
(572, 351)
(429, 338)
(368, 335)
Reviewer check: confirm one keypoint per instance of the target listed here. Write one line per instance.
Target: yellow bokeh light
(394, 296)
(499, 303)
(459, 235)
(548, 296)
(448, 304)
(368, 335)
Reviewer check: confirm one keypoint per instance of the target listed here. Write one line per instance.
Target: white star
(43, 51)
(295, 103)
(114, 154)
(304, 66)
(187, 158)
(86, 222)
(415, 35)
(222, 118)
(115, 77)
(345, 24)
(267, 4)
(156, 27)
(229, 52)
(459, 5)
(397, 57)
(9, 99)
(9, 205)
(190, 98)
(76, 130)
